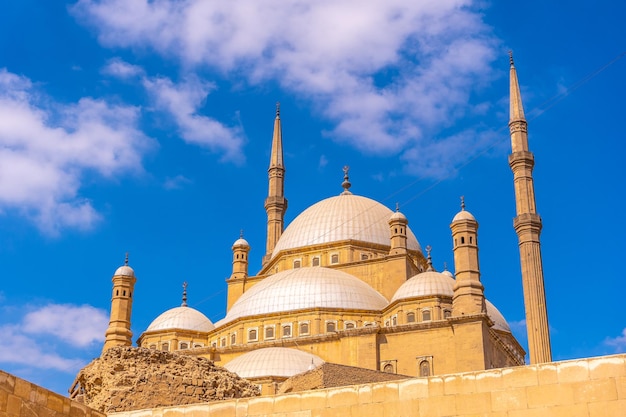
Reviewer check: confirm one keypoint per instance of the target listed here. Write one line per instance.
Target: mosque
(347, 282)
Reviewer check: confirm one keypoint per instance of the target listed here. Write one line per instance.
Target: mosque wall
(20, 398)
(592, 387)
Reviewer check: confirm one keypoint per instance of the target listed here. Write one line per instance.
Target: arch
(426, 315)
(410, 317)
(424, 368)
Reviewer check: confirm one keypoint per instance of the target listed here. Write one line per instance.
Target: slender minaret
(528, 228)
(275, 203)
(469, 296)
(397, 226)
(118, 333)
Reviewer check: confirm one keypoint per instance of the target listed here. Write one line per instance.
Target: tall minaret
(275, 203)
(118, 333)
(528, 228)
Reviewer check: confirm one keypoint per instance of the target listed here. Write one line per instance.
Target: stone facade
(594, 387)
(20, 398)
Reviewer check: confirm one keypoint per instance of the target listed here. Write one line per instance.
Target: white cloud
(77, 325)
(34, 341)
(175, 183)
(182, 102)
(46, 148)
(618, 343)
(118, 68)
(387, 74)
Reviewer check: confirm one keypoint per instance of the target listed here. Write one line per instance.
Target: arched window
(152, 346)
(233, 339)
(252, 335)
(184, 345)
(316, 261)
(364, 256)
(349, 325)
(462, 240)
(394, 321)
(388, 368)
(426, 315)
(334, 258)
(331, 326)
(269, 332)
(410, 317)
(447, 314)
(297, 264)
(287, 330)
(165, 347)
(198, 345)
(304, 328)
(424, 368)
(223, 342)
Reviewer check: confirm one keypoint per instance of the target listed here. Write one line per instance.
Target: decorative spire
(429, 259)
(126, 259)
(397, 207)
(241, 234)
(184, 304)
(516, 111)
(462, 203)
(346, 180)
(445, 266)
(278, 109)
(276, 157)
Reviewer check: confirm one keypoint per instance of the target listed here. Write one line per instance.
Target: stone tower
(240, 258)
(527, 225)
(397, 227)
(469, 297)
(118, 333)
(275, 203)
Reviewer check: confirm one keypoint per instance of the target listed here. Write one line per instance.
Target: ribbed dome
(346, 216)
(125, 271)
(497, 318)
(431, 283)
(302, 288)
(426, 284)
(276, 361)
(185, 318)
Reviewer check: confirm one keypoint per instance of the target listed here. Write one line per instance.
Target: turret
(118, 333)
(275, 203)
(469, 297)
(397, 226)
(240, 258)
(527, 225)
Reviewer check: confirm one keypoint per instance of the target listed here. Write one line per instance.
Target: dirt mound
(128, 378)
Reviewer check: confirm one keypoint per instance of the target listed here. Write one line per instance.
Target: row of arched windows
(315, 261)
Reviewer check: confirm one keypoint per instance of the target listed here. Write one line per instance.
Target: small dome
(344, 217)
(125, 271)
(241, 242)
(184, 318)
(448, 273)
(463, 215)
(304, 288)
(275, 361)
(426, 284)
(397, 216)
(499, 322)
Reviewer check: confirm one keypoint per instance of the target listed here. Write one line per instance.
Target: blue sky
(145, 127)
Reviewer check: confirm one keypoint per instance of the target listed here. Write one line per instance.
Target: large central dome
(343, 217)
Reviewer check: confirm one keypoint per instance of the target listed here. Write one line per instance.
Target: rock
(128, 378)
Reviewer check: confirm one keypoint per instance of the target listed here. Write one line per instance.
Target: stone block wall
(20, 398)
(592, 387)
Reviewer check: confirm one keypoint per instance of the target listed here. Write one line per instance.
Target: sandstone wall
(594, 387)
(20, 398)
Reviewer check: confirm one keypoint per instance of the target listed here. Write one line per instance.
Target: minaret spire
(527, 225)
(275, 203)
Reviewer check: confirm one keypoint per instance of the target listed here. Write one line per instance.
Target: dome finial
(511, 58)
(462, 203)
(397, 207)
(429, 259)
(126, 259)
(184, 304)
(278, 109)
(346, 180)
(445, 266)
(241, 234)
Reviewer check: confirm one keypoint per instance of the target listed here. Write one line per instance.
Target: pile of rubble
(128, 378)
